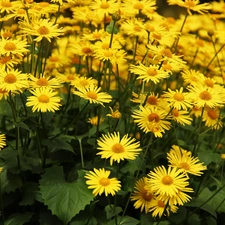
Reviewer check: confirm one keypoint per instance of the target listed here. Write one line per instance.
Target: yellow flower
(2, 141)
(9, 6)
(41, 28)
(83, 81)
(177, 99)
(191, 5)
(9, 47)
(202, 96)
(3, 94)
(149, 73)
(183, 159)
(8, 61)
(167, 182)
(93, 94)
(101, 183)
(116, 148)
(95, 121)
(44, 99)
(192, 77)
(180, 116)
(141, 195)
(114, 114)
(13, 80)
(151, 119)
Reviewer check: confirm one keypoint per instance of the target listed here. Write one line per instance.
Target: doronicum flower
(116, 148)
(44, 99)
(114, 114)
(101, 183)
(183, 160)
(93, 94)
(2, 141)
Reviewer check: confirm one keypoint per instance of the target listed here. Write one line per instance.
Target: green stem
(81, 153)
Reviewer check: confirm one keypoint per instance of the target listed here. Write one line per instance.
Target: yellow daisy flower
(93, 94)
(95, 120)
(44, 99)
(9, 6)
(192, 77)
(202, 96)
(9, 47)
(44, 81)
(191, 5)
(183, 159)
(116, 148)
(13, 80)
(180, 116)
(101, 183)
(212, 118)
(141, 195)
(177, 99)
(83, 81)
(2, 141)
(8, 61)
(167, 182)
(152, 119)
(114, 114)
(3, 94)
(158, 207)
(149, 73)
(41, 28)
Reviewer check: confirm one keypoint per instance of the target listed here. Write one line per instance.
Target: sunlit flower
(192, 77)
(2, 141)
(83, 81)
(42, 28)
(13, 80)
(183, 159)
(152, 119)
(10, 47)
(93, 94)
(141, 195)
(149, 73)
(8, 6)
(3, 94)
(101, 183)
(181, 116)
(44, 99)
(212, 118)
(8, 61)
(191, 5)
(167, 182)
(177, 99)
(116, 148)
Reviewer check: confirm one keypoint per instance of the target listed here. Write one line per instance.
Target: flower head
(116, 148)
(101, 183)
(44, 99)
(2, 141)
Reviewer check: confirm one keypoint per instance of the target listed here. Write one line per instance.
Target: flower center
(212, 114)
(6, 4)
(205, 95)
(137, 28)
(86, 50)
(167, 53)
(43, 98)
(105, 46)
(156, 36)
(152, 100)
(84, 82)
(7, 34)
(175, 112)
(153, 117)
(10, 46)
(10, 78)
(138, 6)
(21, 11)
(92, 95)
(117, 148)
(104, 5)
(167, 180)
(147, 197)
(54, 58)
(4, 59)
(43, 30)
(208, 82)
(178, 96)
(161, 204)
(184, 165)
(97, 35)
(104, 181)
(43, 4)
(70, 77)
(189, 3)
(167, 67)
(152, 72)
(42, 82)
(108, 54)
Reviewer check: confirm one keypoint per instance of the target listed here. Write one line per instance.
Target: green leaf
(21, 125)
(110, 29)
(208, 157)
(125, 220)
(194, 220)
(29, 194)
(9, 182)
(18, 219)
(64, 199)
(162, 223)
(111, 211)
(57, 144)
